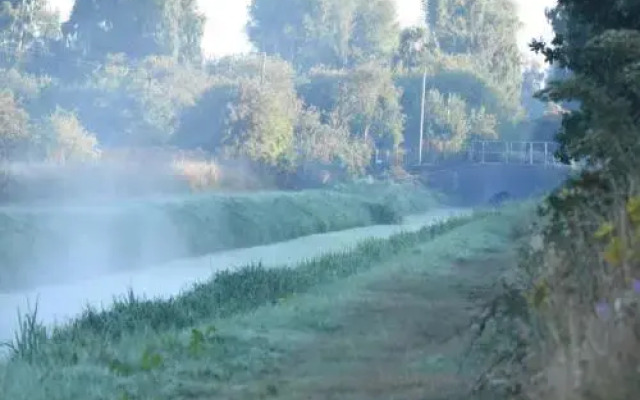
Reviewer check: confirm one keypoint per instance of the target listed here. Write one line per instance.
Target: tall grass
(29, 338)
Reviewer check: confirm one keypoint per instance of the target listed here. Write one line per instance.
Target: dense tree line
(580, 275)
(336, 76)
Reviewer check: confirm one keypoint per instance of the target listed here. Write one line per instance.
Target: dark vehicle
(499, 198)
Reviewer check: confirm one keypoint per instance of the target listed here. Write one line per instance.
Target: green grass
(44, 242)
(173, 348)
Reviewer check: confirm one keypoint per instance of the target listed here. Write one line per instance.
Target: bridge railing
(479, 152)
(505, 152)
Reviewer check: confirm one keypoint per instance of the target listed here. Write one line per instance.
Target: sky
(224, 30)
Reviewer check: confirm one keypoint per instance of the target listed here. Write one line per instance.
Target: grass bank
(62, 241)
(277, 333)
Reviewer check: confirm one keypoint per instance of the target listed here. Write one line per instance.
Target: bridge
(480, 152)
(484, 168)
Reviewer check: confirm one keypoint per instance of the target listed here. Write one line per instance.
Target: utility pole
(263, 67)
(424, 89)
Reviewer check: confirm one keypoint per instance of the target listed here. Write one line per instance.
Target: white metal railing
(483, 152)
(505, 152)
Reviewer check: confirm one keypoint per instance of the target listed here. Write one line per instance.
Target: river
(60, 302)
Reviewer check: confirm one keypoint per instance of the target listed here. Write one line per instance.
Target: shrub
(68, 140)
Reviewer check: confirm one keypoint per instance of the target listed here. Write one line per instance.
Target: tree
(334, 33)
(369, 105)
(375, 31)
(451, 122)
(590, 255)
(136, 28)
(66, 138)
(262, 118)
(26, 28)
(319, 145)
(416, 50)
(15, 127)
(600, 44)
(487, 31)
(129, 103)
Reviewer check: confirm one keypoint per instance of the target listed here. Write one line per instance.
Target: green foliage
(130, 72)
(583, 277)
(368, 104)
(27, 88)
(127, 103)
(262, 119)
(365, 101)
(375, 32)
(29, 338)
(451, 122)
(203, 125)
(333, 33)
(67, 140)
(321, 145)
(135, 28)
(458, 106)
(467, 87)
(543, 128)
(15, 127)
(487, 31)
(416, 50)
(26, 29)
(605, 128)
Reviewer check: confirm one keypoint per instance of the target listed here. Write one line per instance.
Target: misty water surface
(57, 303)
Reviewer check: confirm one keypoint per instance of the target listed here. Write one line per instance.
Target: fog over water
(57, 303)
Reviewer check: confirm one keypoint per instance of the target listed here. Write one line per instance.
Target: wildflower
(636, 286)
(537, 243)
(617, 305)
(602, 310)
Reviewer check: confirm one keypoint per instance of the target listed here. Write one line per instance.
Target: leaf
(120, 368)
(614, 252)
(540, 294)
(633, 209)
(605, 230)
(150, 360)
(196, 341)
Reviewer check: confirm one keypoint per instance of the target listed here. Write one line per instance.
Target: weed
(148, 361)
(30, 336)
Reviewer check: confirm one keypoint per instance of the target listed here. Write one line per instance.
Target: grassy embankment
(51, 242)
(386, 320)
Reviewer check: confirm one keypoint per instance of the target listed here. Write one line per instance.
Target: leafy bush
(67, 139)
(330, 147)
(15, 127)
(570, 314)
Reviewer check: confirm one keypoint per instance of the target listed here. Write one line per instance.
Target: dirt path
(397, 333)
